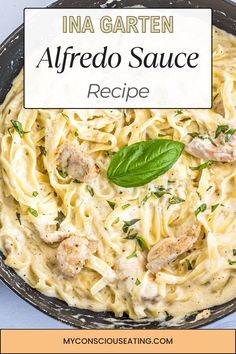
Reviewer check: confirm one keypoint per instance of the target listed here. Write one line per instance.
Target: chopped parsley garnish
(18, 127)
(229, 134)
(142, 243)
(175, 200)
(60, 218)
(129, 223)
(199, 195)
(185, 119)
(145, 199)
(77, 181)
(90, 190)
(112, 204)
(43, 150)
(131, 236)
(65, 116)
(234, 252)
(160, 191)
(202, 166)
(179, 111)
(200, 209)
(137, 282)
(194, 134)
(231, 262)
(132, 255)
(33, 212)
(209, 188)
(63, 174)
(18, 217)
(35, 194)
(188, 264)
(110, 153)
(221, 129)
(125, 206)
(213, 207)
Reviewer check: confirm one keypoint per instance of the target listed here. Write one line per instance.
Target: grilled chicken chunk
(72, 254)
(167, 250)
(76, 163)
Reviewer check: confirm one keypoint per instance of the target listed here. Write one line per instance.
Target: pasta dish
(130, 211)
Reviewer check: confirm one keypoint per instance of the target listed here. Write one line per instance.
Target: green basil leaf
(33, 212)
(137, 282)
(231, 262)
(35, 194)
(176, 200)
(129, 223)
(200, 209)
(60, 218)
(63, 174)
(188, 264)
(90, 190)
(202, 166)
(142, 243)
(112, 204)
(140, 163)
(160, 191)
(125, 206)
(229, 134)
(18, 127)
(213, 207)
(221, 129)
(132, 255)
(18, 217)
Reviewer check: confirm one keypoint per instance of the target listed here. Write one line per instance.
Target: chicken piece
(49, 235)
(72, 254)
(204, 149)
(76, 163)
(167, 250)
(128, 270)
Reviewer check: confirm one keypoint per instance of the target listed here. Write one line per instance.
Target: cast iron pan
(11, 62)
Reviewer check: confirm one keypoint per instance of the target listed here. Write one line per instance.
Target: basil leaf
(77, 181)
(221, 129)
(231, 262)
(125, 206)
(60, 218)
(35, 194)
(160, 191)
(142, 243)
(200, 209)
(18, 217)
(188, 264)
(202, 166)
(63, 174)
(213, 207)
(18, 127)
(132, 255)
(185, 119)
(33, 212)
(90, 190)
(194, 134)
(142, 162)
(145, 199)
(129, 223)
(112, 204)
(137, 282)
(176, 200)
(229, 134)
(179, 111)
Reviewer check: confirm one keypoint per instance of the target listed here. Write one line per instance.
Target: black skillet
(11, 62)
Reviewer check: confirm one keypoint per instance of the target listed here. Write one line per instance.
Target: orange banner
(117, 341)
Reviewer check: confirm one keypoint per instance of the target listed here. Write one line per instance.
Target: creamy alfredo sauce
(44, 206)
